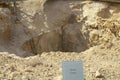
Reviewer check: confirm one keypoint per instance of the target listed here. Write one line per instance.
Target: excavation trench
(70, 40)
(64, 32)
(67, 35)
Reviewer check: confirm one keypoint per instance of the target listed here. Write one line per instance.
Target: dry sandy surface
(48, 66)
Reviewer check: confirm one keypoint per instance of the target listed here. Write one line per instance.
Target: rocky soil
(36, 36)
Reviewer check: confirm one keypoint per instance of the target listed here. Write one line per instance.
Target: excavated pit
(97, 25)
(70, 40)
(48, 26)
(61, 31)
(44, 28)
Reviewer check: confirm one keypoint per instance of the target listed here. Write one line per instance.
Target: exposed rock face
(59, 32)
(5, 24)
(48, 26)
(50, 41)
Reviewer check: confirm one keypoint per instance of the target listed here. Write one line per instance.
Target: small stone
(51, 65)
(58, 77)
(98, 74)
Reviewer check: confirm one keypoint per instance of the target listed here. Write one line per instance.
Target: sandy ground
(48, 66)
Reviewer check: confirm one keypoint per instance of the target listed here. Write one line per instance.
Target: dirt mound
(48, 66)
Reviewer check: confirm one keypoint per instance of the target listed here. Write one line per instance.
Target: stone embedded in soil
(98, 74)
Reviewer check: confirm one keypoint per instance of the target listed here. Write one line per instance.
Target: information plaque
(72, 70)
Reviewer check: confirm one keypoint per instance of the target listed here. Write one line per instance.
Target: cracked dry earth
(44, 33)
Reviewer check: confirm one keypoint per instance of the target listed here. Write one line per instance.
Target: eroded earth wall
(55, 25)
